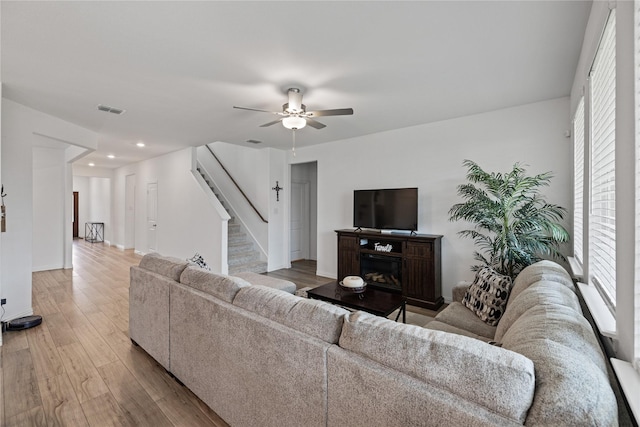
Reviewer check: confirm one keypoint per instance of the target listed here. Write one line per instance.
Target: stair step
(234, 228)
(237, 237)
(255, 267)
(240, 258)
(239, 247)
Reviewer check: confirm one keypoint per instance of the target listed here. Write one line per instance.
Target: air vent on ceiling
(254, 141)
(108, 109)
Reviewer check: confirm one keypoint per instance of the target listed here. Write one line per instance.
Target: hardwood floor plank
(46, 360)
(14, 341)
(131, 396)
(102, 323)
(97, 349)
(104, 411)
(31, 418)
(19, 374)
(147, 371)
(60, 329)
(84, 377)
(179, 410)
(72, 313)
(61, 406)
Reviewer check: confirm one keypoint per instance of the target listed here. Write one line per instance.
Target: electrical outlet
(3, 301)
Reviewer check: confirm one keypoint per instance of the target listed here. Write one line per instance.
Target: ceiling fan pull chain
(293, 149)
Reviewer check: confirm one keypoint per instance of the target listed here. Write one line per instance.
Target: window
(602, 224)
(578, 180)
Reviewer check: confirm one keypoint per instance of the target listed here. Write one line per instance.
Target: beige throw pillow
(487, 295)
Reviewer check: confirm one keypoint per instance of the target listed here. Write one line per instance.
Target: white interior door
(299, 224)
(152, 216)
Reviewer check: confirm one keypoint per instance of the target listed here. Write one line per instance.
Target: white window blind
(578, 180)
(602, 224)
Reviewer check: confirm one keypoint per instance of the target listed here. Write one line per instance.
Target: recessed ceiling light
(111, 156)
(140, 144)
(92, 164)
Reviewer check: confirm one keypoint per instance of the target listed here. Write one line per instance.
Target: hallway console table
(94, 232)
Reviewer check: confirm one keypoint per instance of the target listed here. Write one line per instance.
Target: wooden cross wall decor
(277, 188)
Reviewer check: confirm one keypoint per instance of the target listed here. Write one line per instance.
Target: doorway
(303, 212)
(75, 215)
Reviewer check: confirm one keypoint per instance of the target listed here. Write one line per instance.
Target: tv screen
(386, 209)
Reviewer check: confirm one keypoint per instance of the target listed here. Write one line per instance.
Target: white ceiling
(179, 67)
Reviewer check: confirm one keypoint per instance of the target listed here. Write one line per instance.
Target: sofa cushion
(478, 372)
(541, 270)
(560, 324)
(544, 292)
(459, 316)
(316, 318)
(218, 285)
(570, 388)
(165, 266)
(487, 295)
(445, 327)
(268, 281)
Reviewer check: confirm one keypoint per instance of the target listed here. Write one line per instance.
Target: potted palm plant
(514, 225)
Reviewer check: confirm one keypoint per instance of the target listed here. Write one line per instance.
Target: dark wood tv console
(410, 264)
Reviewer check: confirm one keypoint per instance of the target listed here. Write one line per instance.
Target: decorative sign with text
(382, 248)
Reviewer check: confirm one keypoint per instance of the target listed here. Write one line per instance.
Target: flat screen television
(386, 209)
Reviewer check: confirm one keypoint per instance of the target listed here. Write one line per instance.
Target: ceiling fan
(294, 114)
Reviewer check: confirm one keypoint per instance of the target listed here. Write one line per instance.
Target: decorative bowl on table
(353, 284)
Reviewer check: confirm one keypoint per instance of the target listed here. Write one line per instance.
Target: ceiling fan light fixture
(294, 122)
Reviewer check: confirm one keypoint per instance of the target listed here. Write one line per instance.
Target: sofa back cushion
(316, 318)
(572, 386)
(544, 292)
(541, 270)
(165, 266)
(218, 285)
(490, 376)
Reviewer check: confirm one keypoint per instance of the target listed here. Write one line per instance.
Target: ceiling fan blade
(271, 123)
(314, 123)
(336, 112)
(255, 109)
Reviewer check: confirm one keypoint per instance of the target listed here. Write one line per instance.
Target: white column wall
(49, 169)
(430, 157)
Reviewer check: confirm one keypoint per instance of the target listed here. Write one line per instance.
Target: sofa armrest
(458, 291)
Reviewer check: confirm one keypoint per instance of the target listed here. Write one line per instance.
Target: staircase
(241, 254)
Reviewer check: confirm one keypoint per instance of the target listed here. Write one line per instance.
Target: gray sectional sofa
(261, 356)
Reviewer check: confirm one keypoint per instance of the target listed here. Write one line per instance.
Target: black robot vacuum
(23, 323)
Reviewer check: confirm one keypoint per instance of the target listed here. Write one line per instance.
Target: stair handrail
(235, 183)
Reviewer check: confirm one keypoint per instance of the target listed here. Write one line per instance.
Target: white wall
(21, 127)
(278, 210)
(100, 204)
(49, 169)
(430, 157)
(187, 222)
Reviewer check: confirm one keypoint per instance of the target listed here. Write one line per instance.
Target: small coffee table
(374, 301)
